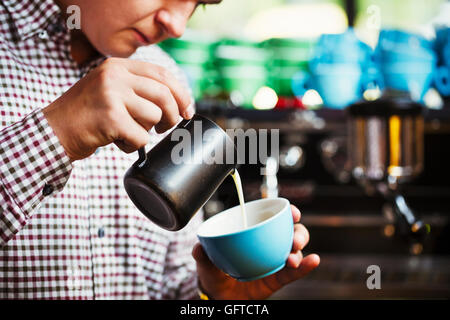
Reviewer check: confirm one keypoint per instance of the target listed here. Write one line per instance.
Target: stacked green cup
(242, 68)
(194, 54)
(287, 57)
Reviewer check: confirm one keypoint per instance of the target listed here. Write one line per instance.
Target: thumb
(205, 268)
(201, 257)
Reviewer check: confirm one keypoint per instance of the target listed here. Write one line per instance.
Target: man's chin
(120, 51)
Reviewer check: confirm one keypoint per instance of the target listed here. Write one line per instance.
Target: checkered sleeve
(33, 165)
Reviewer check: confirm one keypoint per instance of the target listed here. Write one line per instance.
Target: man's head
(119, 27)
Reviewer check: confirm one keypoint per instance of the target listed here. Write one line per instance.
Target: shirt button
(58, 28)
(48, 190)
(101, 232)
(43, 35)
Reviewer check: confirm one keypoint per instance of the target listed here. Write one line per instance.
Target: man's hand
(218, 285)
(118, 102)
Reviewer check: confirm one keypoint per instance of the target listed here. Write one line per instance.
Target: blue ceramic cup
(446, 54)
(339, 85)
(412, 55)
(254, 252)
(403, 41)
(401, 46)
(341, 48)
(442, 80)
(406, 61)
(442, 45)
(414, 77)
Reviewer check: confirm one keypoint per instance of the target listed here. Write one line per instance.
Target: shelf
(319, 120)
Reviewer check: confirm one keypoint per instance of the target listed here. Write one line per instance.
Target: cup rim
(258, 225)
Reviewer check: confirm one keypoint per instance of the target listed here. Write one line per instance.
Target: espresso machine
(385, 151)
(371, 184)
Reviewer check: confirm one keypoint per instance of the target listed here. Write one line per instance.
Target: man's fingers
(201, 257)
(290, 273)
(124, 147)
(307, 264)
(203, 261)
(162, 75)
(296, 214)
(301, 237)
(199, 254)
(132, 135)
(160, 95)
(294, 259)
(145, 112)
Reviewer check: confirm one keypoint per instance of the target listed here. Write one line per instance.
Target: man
(70, 121)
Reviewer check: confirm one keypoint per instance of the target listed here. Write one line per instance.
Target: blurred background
(359, 90)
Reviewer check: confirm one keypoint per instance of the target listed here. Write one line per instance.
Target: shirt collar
(32, 16)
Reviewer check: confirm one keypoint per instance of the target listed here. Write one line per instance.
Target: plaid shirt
(68, 230)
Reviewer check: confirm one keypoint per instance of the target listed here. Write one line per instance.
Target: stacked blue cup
(341, 70)
(442, 48)
(406, 61)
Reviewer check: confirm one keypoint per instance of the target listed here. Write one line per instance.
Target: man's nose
(173, 23)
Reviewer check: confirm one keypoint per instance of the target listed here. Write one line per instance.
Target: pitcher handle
(142, 157)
